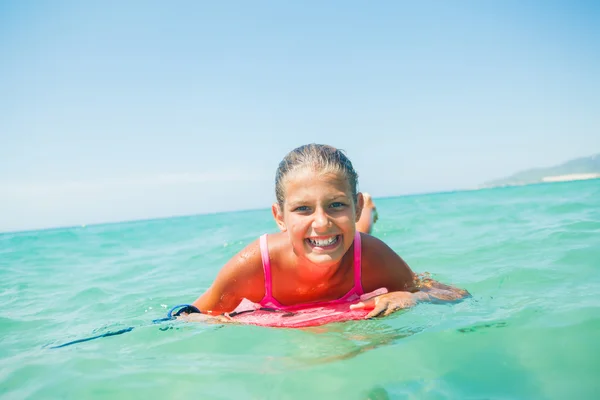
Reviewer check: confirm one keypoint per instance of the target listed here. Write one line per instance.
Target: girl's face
(319, 215)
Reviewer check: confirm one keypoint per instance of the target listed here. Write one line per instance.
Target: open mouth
(323, 243)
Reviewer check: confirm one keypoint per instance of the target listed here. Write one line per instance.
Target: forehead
(309, 183)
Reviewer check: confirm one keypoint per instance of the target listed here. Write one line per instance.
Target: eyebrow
(339, 196)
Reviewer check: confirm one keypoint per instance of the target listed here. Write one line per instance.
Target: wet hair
(320, 158)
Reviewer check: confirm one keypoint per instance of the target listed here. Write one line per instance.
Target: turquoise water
(529, 255)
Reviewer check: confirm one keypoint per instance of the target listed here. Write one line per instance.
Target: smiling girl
(323, 253)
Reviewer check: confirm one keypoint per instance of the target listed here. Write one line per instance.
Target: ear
(278, 215)
(360, 203)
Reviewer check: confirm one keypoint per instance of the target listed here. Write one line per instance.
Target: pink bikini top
(352, 295)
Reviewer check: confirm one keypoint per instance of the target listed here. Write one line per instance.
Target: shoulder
(371, 243)
(243, 273)
(246, 260)
(249, 259)
(277, 244)
(376, 254)
(383, 267)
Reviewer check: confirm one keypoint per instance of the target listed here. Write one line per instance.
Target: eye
(337, 204)
(301, 208)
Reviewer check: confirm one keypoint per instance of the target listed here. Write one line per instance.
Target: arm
(242, 277)
(382, 267)
(434, 291)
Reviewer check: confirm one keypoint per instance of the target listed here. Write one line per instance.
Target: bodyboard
(299, 318)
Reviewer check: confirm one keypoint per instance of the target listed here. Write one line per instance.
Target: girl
(323, 253)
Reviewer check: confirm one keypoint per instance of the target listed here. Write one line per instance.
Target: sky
(114, 111)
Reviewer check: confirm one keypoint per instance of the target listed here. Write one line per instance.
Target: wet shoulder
(244, 272)
(374, 251)
(249, 275)
(382, 266)
(279, 248)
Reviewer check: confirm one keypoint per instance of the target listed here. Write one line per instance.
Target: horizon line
(448, 191)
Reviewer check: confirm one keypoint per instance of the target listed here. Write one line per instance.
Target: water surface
(529, 255)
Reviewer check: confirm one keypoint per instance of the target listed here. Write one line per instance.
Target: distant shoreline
(578, 169)
(546, 179)
(571, 177)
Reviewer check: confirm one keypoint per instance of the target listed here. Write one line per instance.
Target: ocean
(529, 255)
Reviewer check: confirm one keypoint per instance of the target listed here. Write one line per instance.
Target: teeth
(323, 243)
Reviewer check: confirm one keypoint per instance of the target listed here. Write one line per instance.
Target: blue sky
(115, 111)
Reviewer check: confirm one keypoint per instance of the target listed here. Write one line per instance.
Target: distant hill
(577, 169)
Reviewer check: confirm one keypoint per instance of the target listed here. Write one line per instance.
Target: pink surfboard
(301, 318)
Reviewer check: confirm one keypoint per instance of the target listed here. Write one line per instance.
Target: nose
(321, 219)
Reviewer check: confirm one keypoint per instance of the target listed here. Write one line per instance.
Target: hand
(388, 303)
(197, 317)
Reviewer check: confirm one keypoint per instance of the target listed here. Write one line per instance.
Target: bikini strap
(358, 264)
(266, 263)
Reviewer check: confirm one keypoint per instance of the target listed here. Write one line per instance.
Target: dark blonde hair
(320, 158)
